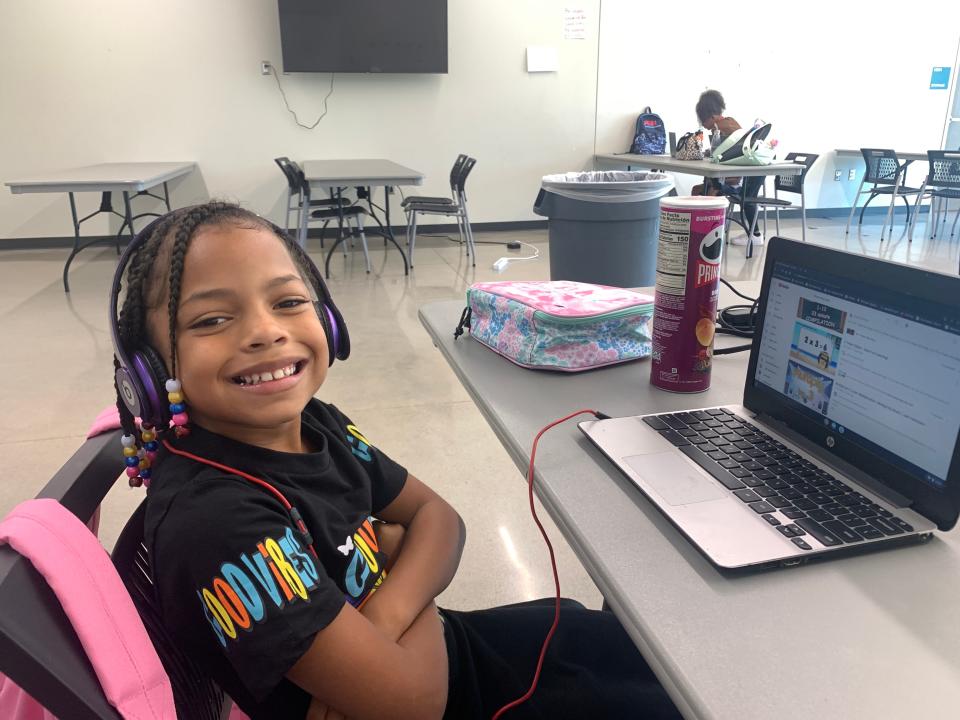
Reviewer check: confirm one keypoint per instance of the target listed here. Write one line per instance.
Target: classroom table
(908, 156)
(335, 175)
(867, 637)
(132, 179)
(704, 168)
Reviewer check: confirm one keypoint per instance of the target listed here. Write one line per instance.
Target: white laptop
(847, 435)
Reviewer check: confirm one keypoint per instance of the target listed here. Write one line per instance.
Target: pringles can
(688, 279)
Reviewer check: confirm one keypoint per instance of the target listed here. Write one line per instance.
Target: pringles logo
(708, 257)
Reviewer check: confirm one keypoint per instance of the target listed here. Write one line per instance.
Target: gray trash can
(603, 225)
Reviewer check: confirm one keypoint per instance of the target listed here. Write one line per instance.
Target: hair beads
(139, 460)
(178, 410)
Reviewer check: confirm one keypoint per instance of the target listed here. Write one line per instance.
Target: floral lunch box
(559, 324)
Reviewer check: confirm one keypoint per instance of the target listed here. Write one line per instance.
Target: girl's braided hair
(158, 262)
(710, 103)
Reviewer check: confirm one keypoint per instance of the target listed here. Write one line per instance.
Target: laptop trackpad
(675, 479)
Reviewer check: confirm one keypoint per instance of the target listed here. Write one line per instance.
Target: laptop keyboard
(795, 497)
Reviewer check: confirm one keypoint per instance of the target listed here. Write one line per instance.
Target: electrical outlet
(837, 174)
(265, 67)
(852, 174)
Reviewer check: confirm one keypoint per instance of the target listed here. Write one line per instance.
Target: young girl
(269, 566)
(710, 109)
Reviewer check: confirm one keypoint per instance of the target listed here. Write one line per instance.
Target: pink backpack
(80, 573)
(82, 576)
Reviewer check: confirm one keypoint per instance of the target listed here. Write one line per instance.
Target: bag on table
(689, 147)
(744, 147)
(559, 324)
(650, 134)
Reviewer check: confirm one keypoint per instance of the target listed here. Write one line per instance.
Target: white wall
(827, 75)
(112, 80)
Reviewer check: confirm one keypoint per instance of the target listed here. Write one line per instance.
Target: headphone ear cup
(340, 348)
(338, 341)
(152, 374)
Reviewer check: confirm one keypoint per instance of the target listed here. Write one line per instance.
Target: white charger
(501, 264)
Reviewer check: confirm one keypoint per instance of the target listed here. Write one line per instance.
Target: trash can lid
(609, 185)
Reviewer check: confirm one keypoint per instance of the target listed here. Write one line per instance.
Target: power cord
(273, 71)
(457, 240)
(737, 320)
(553, 561)
(501, 264)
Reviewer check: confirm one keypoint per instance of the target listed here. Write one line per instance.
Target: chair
(454, 176)
(39, 649)
(341, 211)
(941, 184)
(886, 173)
(294, 190)
(195, 694)
(456, 207)
(784, 183)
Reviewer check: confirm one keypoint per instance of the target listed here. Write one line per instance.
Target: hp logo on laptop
(830, 441)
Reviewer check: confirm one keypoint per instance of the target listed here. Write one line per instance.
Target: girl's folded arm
(355, 669)
(432, 545)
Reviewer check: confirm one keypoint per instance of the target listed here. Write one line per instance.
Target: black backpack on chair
(650, 135)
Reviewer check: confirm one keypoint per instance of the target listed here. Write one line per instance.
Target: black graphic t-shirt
(237, 584)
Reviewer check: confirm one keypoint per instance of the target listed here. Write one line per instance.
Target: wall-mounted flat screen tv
(364, 36)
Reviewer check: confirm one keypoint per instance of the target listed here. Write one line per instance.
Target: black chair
(341, 212)
(454, 177)
(941, 185)
(456, 207)
(295, 197)
(887, 175)
(784, 183)
(195, 694)
(39, 649)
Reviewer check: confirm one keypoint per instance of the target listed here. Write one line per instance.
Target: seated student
(710, 109)
(292, 625)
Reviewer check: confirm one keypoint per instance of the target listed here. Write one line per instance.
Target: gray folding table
(128, 178)
(703, 168)
(866, 637)
(908, 156)
(335, 175)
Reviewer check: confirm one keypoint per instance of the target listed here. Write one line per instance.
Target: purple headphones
(142, 373)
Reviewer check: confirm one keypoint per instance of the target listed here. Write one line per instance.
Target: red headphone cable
(291, 509)
(553, 562)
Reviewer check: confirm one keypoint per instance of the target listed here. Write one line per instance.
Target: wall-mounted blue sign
(940, 78)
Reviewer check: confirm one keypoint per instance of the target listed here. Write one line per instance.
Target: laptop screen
(879, 368)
